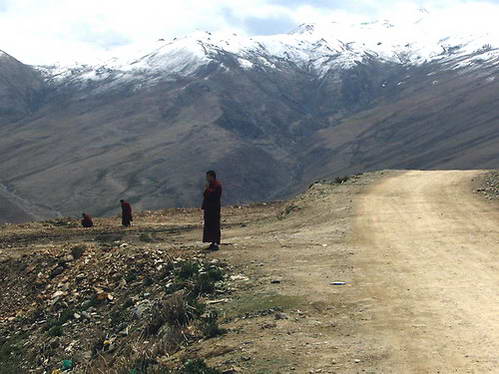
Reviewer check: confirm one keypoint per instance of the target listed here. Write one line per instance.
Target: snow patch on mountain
(317, 47)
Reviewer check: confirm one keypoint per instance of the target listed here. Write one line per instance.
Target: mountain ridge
(271, 117)
(320, 44)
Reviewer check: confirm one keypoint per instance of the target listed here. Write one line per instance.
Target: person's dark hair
(122, 201)
(211, 173)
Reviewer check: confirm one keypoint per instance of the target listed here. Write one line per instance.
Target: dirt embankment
(112, 300)
(389, 272)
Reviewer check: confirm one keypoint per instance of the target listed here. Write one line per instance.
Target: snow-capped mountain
(318, 48)
(270, 113)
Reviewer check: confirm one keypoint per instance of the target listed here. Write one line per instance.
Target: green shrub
(54, 325)
(66, 315)
(209, 325)
(56, 331)
(98, 345)
(216, 274)
(128, 303)
(175, 311)
(197, 367)
(195, 308)
(10, 357)
(34, 316)
(155, 323)
(187, 270)
(124, 365)
(148, 281)
(203, 284)
(10, 367)
(118, 315)
(131, 276)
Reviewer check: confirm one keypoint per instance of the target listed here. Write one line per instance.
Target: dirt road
(420, 253)
(428, 257)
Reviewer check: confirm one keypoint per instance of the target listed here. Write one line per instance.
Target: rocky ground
(336, 280)
(108, 299)
(488, 185)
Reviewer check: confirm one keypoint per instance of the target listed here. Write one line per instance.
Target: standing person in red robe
(126, 213)
(87, 220)
(211, 207)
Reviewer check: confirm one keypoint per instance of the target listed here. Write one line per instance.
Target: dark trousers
(126, 221)
(212, 232)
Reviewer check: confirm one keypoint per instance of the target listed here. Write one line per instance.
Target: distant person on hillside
(126, 213)
(87, 220)
(211, 207)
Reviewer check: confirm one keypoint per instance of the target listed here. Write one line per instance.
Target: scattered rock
(140, 309)
(58, 270)
(57, 294)
(232, 370)
(280, 315)
(239, 277)
(269, 325)
(219, 301)
(67, 258)
(86, 304)
(124, 332)
(489, 186)
(65, 308)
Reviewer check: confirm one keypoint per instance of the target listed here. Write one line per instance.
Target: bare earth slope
(417, 250)
(73, 145)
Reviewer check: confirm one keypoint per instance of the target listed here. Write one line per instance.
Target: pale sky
(47, 31)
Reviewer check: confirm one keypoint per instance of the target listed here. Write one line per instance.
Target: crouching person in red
(87, 220)
(212, 207)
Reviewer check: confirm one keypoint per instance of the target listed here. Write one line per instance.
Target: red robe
(126, 214)
(212, 205)
(87, 221)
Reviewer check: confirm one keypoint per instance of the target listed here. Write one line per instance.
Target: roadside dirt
(417, 252)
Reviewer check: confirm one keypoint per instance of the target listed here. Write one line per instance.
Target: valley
(271, 114)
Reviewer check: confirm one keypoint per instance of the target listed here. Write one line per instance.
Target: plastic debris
(67, 365)
(338, 283)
